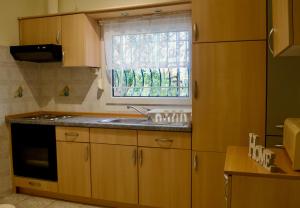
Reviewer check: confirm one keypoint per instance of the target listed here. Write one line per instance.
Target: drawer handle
(73, 136)
(31, 183)
(164, 140)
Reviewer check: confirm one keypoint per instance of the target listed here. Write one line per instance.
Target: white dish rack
(163, 116)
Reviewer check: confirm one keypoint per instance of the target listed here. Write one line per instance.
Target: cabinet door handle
(195, 162)
(195, 89)
(269, 41)
(134, 157)
(195, 32)
(141, 158)
(57, 37)
(87, 153)
(227, 187)
(280, 126)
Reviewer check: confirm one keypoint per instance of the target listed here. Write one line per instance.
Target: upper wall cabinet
(46, 30)
(78, 35)
(286, 28)
(230, 20)
(80, 40)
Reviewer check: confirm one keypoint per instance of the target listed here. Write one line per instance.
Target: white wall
(85, 5)
(10, 10)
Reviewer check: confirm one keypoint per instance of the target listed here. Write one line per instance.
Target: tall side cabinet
(229, 88)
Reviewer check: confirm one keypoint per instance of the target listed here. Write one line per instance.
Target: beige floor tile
(62, 204)
(13, 199)
(35, 202)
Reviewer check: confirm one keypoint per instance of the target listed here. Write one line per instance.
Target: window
(150, 57)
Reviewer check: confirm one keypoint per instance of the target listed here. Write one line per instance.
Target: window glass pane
(151, 65)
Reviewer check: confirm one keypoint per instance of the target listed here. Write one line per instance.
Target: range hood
(37, 53)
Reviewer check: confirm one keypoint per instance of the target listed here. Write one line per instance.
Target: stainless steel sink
(136, 121)
(124, 120)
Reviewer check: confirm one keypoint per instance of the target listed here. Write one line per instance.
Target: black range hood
(37, 53)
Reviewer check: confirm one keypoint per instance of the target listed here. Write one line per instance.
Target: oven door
(34, 151)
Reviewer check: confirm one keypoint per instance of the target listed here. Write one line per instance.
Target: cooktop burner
(49, 117)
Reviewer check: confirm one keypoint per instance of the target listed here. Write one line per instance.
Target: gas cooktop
(48, 117)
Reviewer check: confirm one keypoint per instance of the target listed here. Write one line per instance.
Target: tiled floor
(25, 201)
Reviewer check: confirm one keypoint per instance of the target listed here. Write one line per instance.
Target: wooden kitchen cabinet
(208, 180)
(248, 185)
(230, 20)
(114, 173)
(74, 169)
(229, 94)
(164, 177)
(286, 27)
(45, 30)
(80, 40)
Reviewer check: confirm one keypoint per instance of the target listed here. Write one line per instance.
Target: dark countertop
(101, 122)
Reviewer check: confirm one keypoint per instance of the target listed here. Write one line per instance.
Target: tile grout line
(50, 204)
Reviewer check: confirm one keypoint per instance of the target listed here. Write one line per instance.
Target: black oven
(34, 151)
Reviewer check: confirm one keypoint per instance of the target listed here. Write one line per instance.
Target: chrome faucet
(141, 110)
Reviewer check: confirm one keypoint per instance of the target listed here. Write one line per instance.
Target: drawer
(113, 136)
(35, 184)
(72, 134)
(178, 140)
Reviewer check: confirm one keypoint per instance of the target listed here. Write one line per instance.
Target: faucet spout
(143, 111)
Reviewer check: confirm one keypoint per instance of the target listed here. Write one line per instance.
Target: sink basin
(124, 120)
(136, 121)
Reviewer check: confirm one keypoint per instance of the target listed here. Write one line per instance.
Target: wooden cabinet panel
(286, 25)
(282, 12)
(36, 184)
(230, 20)
(80, 40)
(208, 180)
(46, 30)
(114, 173)
(73, 164)
(230, 80)
(165, 178)
(164, 139)
(261, 192)
(72, 134)
(113, 136)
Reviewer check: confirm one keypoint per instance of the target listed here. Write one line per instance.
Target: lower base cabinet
(164, 177)
(114, 173)
(263, 192)
(208, 180)
(73, 165)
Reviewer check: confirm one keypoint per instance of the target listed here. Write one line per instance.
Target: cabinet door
(80, 40)
(73, 161)
(262, 192)
(46, 30)
(229, 94)
(164, 178)
(208, 180)
(282, 13)
(219, 20)
(114, 173)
